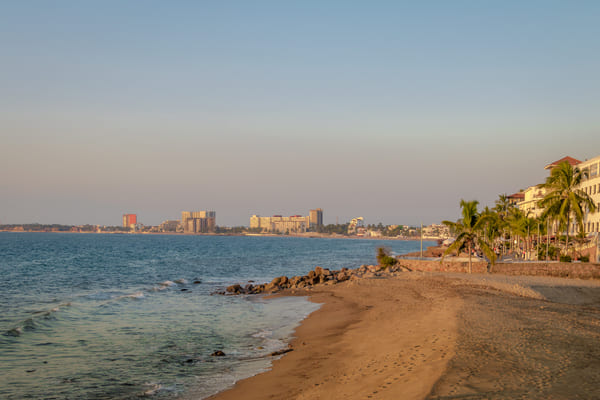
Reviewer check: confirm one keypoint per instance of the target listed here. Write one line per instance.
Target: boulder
(276, 281)
(341, 276)
(217, 353)
(295, 280)
(322, 271)
(236, 289)
(271, 287)
(373, 268)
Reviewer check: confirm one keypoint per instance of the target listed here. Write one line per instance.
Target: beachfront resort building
(129, 221)
(291, 224)
(590, 185)
(529, 203)
(198, 221)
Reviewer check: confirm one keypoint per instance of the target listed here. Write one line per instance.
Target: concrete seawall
(558, 269)
(446, 266)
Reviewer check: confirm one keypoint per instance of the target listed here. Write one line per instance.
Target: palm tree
(564, 200)
(493, 226)
(522, 226)
(504, 208)
(469, 231)
(492, 229)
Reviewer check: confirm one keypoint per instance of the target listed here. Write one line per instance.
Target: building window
(593, 170)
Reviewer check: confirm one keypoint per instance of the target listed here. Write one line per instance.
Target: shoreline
(307, 236)
(359, 344)
(439, 335)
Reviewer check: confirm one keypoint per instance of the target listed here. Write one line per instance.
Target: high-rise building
(292, 224)
(315, 218)
(198, 221)
(129, 220)
(169, 226)
(278, 223)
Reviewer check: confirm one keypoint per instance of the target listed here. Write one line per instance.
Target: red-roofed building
(528, 202)
(570, 160)
(516, 198)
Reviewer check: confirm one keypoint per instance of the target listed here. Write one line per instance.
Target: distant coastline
(309, 235)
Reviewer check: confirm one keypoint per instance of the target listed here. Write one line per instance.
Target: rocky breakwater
(318, 276)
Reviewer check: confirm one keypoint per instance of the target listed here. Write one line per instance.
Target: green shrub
(565, 258)
(552, 252)
(585, 258)
(384, 258)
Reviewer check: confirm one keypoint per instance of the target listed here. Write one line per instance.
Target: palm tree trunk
(469, 259)
(567, 244)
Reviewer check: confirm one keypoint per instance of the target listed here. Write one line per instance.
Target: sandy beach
(441, 336)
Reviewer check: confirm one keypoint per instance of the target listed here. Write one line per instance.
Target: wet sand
(441, 336)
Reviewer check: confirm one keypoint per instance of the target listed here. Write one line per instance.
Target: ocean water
(98, 316)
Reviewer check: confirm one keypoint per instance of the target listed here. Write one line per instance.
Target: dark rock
(280, 352)
(217, 353)
(197, 282)
(280, 281)
(271, 287)
(295, 280)
(234, 289)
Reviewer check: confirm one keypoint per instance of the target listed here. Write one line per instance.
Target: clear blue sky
(393, 111)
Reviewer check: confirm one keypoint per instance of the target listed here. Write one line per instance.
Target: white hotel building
(591, 185)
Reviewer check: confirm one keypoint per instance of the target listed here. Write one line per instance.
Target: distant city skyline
(391, 111)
